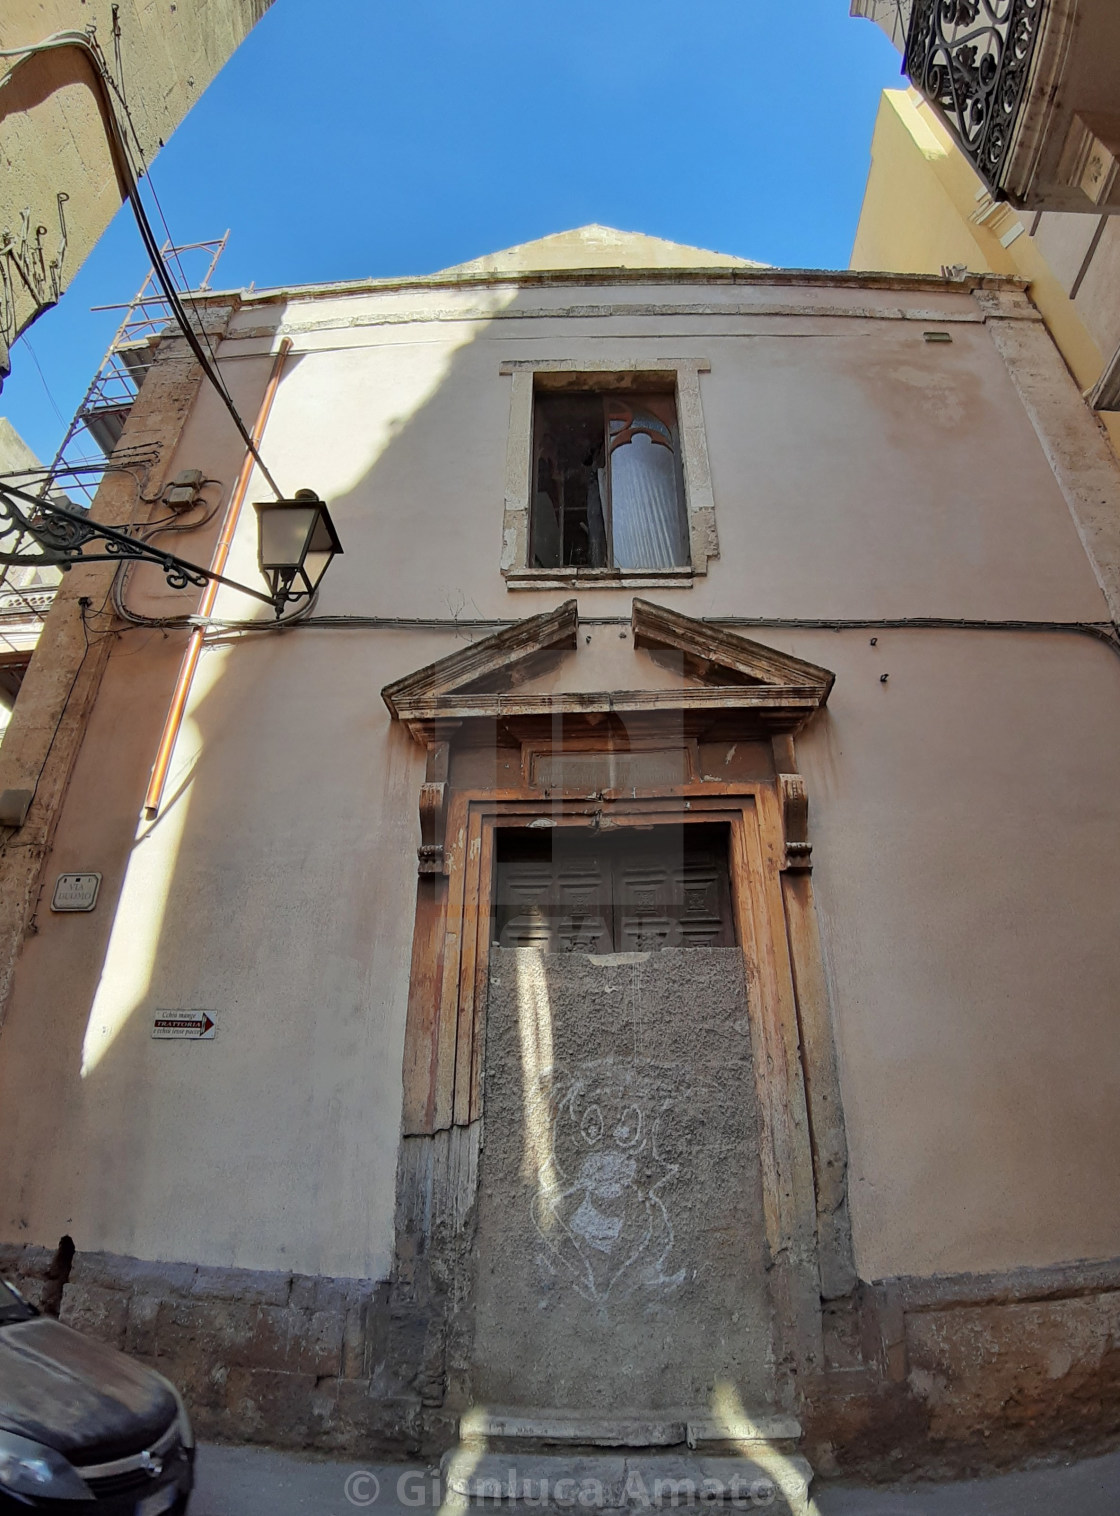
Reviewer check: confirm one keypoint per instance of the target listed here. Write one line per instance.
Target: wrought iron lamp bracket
(62, 535)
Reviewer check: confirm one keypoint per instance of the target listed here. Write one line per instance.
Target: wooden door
(568, 890)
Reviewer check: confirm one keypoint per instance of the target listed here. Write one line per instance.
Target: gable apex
(597, 247)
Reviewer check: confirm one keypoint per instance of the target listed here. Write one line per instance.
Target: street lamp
(296, 542)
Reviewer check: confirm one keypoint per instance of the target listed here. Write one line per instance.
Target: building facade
(654, 914)
(86, 87)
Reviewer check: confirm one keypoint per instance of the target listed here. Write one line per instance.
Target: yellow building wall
(922, 211)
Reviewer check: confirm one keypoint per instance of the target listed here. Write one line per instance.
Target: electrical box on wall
(182, 493)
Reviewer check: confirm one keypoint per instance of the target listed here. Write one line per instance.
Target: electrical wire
(1099, 631)
(26, 476)
(298, 617)
(182, 319)
(88, 45)
(1102, 631)
(135, 468)
(145, 171)
(174, 522)
(23, 337)
(117, 588)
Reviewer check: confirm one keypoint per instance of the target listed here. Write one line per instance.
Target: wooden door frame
(445, 1031)
(732, 689)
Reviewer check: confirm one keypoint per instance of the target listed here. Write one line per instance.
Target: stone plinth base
(283, 1359)
(934, 1377)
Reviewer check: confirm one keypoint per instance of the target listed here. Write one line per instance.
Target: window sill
(599, 579)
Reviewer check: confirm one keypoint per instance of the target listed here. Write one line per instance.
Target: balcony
(1029, 88)
(972, 59)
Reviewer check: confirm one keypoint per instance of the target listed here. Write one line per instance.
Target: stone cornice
(598, 278)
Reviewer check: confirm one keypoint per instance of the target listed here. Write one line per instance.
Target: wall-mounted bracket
(795, 822)
(433, 810)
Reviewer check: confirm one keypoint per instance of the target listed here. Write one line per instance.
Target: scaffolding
(94, 434)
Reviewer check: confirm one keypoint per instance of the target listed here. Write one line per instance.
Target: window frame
(606, 403)
(681, 377)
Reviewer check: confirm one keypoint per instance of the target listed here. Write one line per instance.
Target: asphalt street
(248, 1481)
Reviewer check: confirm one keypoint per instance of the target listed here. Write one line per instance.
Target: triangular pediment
(487, 662)
(725, 672)
(714, 655)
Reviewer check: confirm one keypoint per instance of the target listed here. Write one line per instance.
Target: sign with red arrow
(184, 1026)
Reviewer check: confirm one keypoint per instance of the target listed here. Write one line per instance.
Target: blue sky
(357, 137)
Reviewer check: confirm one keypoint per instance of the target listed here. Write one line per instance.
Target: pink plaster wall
(965, 813)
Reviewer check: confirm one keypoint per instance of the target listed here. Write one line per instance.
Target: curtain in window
(646, 527)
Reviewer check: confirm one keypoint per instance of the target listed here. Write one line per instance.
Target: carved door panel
(565, 891)
(557, 899)
(669, 895)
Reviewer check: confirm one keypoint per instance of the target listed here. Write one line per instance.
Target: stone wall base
(967, 1374)
(274, 1358)
(935, 1377)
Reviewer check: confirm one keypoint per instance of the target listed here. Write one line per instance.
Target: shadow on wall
(275, 890)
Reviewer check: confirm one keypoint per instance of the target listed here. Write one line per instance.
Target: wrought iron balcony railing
(971, 58)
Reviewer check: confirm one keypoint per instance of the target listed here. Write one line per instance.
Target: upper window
(607, 477)
(608, 490)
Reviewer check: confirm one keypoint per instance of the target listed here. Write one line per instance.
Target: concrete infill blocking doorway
(622, 1259)
(621, 1255)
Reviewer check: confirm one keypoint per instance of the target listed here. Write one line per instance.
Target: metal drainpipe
(217, 565)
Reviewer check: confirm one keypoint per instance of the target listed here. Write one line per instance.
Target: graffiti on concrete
(601, 1213)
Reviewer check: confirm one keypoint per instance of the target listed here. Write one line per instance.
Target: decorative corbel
(433, 809)
(794, 799)
(795, 821)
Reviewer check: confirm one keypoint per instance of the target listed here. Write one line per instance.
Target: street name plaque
(75, 892)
